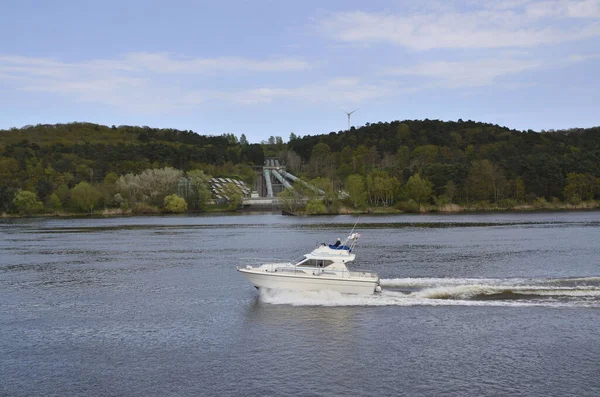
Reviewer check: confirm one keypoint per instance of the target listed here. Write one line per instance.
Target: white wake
(580, 292)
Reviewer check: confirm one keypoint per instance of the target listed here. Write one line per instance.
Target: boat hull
(310, 283)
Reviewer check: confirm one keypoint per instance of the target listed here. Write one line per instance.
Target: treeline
(405, 164)
(48, 159)
(461, 162)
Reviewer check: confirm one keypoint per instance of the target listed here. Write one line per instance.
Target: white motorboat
(325, 268)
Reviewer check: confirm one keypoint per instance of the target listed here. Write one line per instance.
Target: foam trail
(455, 291)
(423, 282)
(429, 297)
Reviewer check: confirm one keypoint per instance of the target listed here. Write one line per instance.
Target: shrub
(315, 207)
(541, 203)
(507, 203)
(143, 208)
(174, 203)
(409, 206)
(27, 203)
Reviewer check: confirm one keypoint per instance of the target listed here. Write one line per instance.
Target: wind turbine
(349, 113)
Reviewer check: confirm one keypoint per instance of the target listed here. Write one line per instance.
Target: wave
(571, 292)
(423, 282)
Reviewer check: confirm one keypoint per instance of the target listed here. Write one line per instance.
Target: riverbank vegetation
(401, 166)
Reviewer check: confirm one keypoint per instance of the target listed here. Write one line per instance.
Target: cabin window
(317, 263)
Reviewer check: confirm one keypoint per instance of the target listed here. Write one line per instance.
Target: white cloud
(158, 83)
(163, 63)
(481, 72)
(468, 73)
(484, 25)
(347, 90)
(587, 9)
(140, 82)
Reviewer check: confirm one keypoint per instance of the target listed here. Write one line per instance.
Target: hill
(460, 161)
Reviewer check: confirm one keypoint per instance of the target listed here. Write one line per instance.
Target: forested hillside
(401, 163)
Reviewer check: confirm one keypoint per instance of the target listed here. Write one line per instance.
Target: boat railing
(363, 273)
(341, 273)
(317, 271)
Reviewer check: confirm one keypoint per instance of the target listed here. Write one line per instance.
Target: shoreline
(447, 209)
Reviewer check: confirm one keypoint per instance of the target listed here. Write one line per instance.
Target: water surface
(488, 305)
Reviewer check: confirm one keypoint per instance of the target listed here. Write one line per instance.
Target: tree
(9, 168)
(423, 155)
(321, 160)
(63, 193)
(355, 187)
(418, 189)
(243, 140)
(450, 191)
(381, 187)
(7, 195)
(329, 195)
(519, 190)
(200, 183)
(156, 184)
(403, 157)
(315, 207)
(85, 196)
(580, 187)
(234, 196)
(110, 181)
(174, 203)
(486, 181)
(53, 203)
(27, 203)
(290, 200)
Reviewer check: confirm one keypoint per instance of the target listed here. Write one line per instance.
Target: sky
(274, 67)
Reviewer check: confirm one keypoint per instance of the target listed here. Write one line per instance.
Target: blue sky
(273, 67)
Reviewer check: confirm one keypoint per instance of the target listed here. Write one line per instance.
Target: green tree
(418, 189)
(315, 207)
(234, 196)
(321, 160)
(290, 200)
(110, 181)
(403, 157)
(328, 194)
(355, 187)
(381, 188)
(580, 187)
(9, 169)
(53, 203)
(486, 181)
(7, 195)
(27, 203)
(174, 203)
(200, 188)
(450, 191)
(423, 155)
(519, 190)
(63, 193)
(85, 196)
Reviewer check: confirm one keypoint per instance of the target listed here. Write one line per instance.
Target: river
(482, 305)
